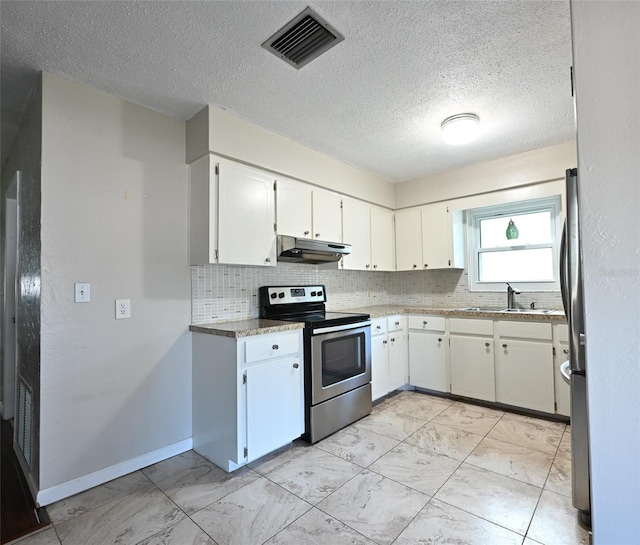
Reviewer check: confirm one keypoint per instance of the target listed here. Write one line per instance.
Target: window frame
(514, 209)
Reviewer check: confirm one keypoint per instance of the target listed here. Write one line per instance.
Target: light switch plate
(83, 292)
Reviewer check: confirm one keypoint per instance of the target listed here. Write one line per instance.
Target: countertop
(245, 328)
(258, 326)
(381, 311)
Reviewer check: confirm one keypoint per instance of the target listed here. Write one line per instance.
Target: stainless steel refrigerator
(575, 369)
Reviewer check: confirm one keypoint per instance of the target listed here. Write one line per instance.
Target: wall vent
(24, 420)
(304, 38)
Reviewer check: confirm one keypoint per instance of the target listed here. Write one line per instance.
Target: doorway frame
(10, 329)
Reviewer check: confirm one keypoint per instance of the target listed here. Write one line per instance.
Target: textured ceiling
(376, 100)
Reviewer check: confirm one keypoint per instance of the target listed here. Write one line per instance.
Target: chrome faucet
(510, 296)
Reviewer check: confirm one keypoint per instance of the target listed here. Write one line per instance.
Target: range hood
(305, 250)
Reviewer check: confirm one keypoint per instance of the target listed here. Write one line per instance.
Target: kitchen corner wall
(227, 292)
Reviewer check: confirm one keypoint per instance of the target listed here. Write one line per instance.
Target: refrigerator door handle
(563, 270)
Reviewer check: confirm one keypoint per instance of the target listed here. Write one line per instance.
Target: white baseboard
(75, 486)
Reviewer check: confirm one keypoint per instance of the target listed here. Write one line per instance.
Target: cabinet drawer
(378, 326)
(395, 323)
(562, 333)
(471, 327)
(270, 346)
(427, 323)
(525, 330)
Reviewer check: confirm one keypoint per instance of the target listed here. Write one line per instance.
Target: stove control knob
(281, 295)
(274, 295)
(313, 294)
(319, 294)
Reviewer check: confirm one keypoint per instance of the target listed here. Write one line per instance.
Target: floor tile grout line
(52, 522)
(481, 518)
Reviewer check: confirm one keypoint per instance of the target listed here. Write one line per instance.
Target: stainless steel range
(337, 356)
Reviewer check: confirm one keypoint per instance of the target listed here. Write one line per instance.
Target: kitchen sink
(510, 310)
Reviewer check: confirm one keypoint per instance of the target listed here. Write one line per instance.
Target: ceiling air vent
(302, 39)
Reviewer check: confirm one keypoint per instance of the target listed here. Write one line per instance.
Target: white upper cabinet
(435, 237)
(408, 240)
(429, 237)
(356, 231)
(293, 208)
(382, 240)
(369, 231)
(327, 216)
(232, 214)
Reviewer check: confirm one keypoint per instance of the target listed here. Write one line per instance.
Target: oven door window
(342, 358)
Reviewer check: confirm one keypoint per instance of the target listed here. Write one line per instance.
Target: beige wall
(238, 139)
(114, 213)
(508, 172)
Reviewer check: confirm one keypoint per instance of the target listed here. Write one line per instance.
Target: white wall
(518, 170)
(222, 133)
(606, 51)
(114, 213)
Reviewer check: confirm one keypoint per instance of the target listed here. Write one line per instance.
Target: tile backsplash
(230, 292)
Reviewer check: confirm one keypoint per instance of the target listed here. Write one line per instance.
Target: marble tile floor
(419, 470)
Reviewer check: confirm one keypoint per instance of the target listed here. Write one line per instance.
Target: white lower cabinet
(247, 395)
(428, 353)
(471, 358)
(379, 366)
(472, 371)
(524, 366)
(388, 356)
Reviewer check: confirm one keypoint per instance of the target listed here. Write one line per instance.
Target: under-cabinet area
(248, 384)
(510, 362)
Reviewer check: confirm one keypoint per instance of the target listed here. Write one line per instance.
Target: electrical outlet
(123, 309)
(368, 295)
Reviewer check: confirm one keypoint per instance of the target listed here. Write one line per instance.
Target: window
(530, 261)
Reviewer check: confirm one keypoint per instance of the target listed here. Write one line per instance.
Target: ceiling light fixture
(460, 129)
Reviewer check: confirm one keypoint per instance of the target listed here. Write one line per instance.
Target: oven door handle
(346, 327)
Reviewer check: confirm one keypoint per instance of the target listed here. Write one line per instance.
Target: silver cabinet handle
(367, 265)
(306, 232)
(392, 339)
(424, 322)
(295, 365)
(415, 266)
(384, 342)
(268, 260)
(439, 340)
(275, 347)
(426, 265)
(487, 345)
(375, 266)
(378, 327)
(397, 323)
(317, 235)
(565, 351)
(504, 346)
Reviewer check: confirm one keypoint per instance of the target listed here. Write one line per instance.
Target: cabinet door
(524, 374)
(436, 237)
(472, 369)
(408, 240)
(246, 212)
(327, 216)
(274, 406)
(398, 363)
(427, 361)
(356, 230)
(379, 367)
(293, 208)
(382, 240)
(562, 390)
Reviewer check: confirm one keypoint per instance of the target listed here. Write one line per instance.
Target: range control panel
(281, 295)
